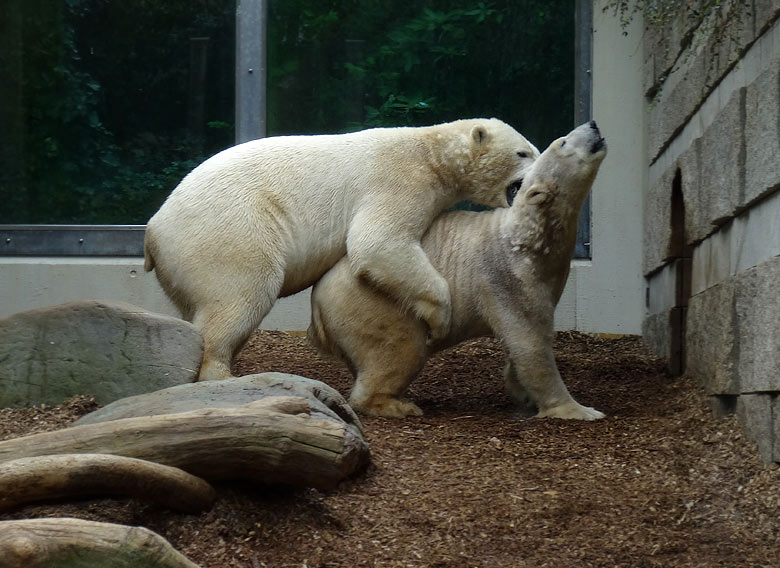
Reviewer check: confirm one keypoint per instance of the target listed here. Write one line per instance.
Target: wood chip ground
(658, 483)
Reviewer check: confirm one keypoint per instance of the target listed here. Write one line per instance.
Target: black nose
(512, 190)
(595, 126)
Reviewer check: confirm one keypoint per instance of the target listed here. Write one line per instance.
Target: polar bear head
(554, 189)
(487, 156)
(568, 167)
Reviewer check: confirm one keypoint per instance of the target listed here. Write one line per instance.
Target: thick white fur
(269, 217)
(506, 270)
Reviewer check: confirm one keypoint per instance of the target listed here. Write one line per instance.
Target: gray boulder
(106, 349)
(325, 402)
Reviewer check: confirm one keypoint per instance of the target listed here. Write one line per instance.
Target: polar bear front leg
(535, 371)
(398, 267)
(517, 391)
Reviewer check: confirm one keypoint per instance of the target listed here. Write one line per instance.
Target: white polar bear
(506, 271)
(269, 217)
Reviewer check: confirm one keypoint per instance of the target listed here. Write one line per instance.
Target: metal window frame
(72, 240)
(251, 72)
(583, 110)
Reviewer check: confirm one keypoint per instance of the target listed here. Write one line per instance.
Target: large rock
(106, 349)
(325, 402)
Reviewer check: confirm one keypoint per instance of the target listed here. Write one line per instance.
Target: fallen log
(35, 479)
(273, 440)
(74, 543)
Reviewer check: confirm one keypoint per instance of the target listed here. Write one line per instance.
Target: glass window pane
(106, 105)
(344, 65)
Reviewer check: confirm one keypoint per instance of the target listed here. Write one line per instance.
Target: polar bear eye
(523, 154)
(563, 143)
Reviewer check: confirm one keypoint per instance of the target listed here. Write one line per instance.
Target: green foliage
(104, 140)
(431, 61)
(117, 105)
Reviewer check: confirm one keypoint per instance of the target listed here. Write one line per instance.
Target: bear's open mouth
(512, 190)
(598, 145)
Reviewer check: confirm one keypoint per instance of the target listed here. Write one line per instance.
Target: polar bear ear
(540, 192)
(479, 136)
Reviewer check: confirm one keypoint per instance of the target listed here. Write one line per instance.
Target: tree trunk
(261, 442)
(74, 543)
(43, 478)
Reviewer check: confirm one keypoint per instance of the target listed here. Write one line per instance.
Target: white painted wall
(604, 294)
(608, 291)
(29, 282)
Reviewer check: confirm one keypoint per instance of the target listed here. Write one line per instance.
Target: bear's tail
(148, 258)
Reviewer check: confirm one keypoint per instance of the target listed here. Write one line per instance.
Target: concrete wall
(33, 282)
(711, 254)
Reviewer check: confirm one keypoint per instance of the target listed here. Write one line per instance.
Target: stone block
(656, 330)
(661, 289)
(657, 221)
(682, 92)
(716, 196)
(712, 260)
(754, 412)
(710, 342)
(757, 312)
(776, 427)
(667, 288)
(665, 41)
(740, 34)
(689, 164)
(765, 13)
(662, 333)
(751, 238)
(762, 126)
(723, 405)
(106, 349)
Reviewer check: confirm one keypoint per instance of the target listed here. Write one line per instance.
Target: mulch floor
(659, 482)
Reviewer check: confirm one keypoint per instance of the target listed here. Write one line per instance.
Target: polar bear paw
(387, 407)
(571, 411)
(438, 331)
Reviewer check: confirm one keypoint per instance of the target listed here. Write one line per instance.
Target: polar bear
(269, 217)
(506, 271)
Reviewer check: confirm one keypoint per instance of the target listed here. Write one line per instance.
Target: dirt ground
(659, 482)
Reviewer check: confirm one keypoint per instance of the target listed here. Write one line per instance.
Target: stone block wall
(712, 211)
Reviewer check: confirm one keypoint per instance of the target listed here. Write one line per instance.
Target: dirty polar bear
(506, 271)
(269, 217)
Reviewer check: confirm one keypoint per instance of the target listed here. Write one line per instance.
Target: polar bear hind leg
(227, 316)
(384, 367)
(367, 399)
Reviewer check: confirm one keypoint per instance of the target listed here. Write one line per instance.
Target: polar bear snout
(599, 143)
